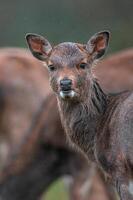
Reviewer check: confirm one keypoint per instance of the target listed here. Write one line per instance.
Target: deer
(96, 123)
(32, 139)
(115, 71)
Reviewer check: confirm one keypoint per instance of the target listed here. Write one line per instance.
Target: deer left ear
(39, 46)
(98, 44)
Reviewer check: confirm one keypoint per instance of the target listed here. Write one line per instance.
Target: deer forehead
(68, 54)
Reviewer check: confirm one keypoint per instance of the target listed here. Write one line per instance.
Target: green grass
(57, 191)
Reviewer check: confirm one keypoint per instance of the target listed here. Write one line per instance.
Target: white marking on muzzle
(71, 94)
(130, 188)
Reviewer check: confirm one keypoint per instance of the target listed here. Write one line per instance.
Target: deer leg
(123, 190)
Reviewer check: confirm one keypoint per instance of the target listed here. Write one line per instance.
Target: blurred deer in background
(97, 123)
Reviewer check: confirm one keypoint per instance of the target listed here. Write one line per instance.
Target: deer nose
(66, 84)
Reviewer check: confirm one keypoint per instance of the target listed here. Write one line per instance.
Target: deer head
(69, 64)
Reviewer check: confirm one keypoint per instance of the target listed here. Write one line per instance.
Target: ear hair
(39, 46)
(98, 44)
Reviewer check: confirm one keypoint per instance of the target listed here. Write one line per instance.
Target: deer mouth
(67, 94)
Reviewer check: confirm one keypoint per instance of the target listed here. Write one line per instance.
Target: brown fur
(115, 72)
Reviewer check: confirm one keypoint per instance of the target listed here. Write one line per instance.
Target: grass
(57, 191)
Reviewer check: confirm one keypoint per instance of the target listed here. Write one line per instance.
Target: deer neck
(80, 120)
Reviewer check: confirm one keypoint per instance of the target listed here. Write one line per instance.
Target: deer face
(69, 64)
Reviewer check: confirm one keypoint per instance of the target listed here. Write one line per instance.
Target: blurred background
(66, 20)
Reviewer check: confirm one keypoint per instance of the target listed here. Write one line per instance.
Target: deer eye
(83, 65)
(52, 68)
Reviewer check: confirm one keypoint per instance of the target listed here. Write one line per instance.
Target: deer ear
(39, 46)
(98, 44)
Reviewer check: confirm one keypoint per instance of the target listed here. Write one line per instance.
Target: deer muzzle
(66, 90)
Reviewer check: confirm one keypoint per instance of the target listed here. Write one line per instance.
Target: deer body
(102, 128)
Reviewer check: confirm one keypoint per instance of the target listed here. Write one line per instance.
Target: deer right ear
(98, 44)
(39, 46)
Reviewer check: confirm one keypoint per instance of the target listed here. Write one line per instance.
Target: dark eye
(52, 67)
(83, 65)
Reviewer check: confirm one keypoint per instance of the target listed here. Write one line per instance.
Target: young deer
(98, 123)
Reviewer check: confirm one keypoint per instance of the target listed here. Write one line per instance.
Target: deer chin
(67, 94)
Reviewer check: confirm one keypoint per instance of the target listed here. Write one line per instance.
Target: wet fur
(102, 128)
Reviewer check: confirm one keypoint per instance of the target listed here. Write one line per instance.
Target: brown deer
(115, 72)
(98, 124)
(33, 148)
